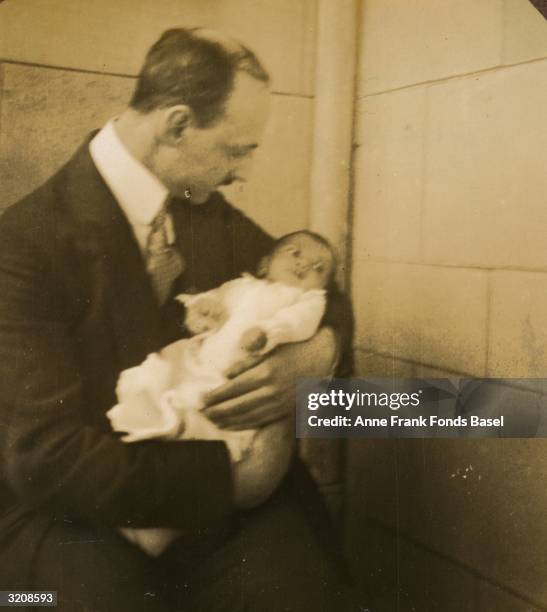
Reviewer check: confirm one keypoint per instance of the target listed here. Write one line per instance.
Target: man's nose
(243, 170)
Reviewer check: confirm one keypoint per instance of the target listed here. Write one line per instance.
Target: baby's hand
(253, 340)
(205, 314)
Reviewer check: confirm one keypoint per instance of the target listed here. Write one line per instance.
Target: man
(88, 266)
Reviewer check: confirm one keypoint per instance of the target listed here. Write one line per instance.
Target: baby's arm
(204, 312)
(294, 323)
(210, 310)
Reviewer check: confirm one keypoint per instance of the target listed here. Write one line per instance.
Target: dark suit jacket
(76, 308)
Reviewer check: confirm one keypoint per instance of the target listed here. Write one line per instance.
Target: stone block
(406, 42)
(485, 179)
(113, 37)
(524, 32)
(425, 314)
(427, 371)
(480, 502)
(388, 172)
(372, 555)
(282, 33)
(492, 598)
(45, 116)
(518, 325)
(372, 365)
(428, 581)
(400, 575)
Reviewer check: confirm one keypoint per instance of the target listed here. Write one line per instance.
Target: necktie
(163, 261)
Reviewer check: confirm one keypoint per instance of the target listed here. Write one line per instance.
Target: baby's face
(301, 262)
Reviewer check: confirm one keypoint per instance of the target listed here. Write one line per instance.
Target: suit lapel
(181, 213)
(134, 313)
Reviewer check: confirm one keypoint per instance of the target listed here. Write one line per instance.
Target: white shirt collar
(139, 193)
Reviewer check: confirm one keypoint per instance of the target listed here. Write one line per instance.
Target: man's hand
(254, 340)
(262, 390)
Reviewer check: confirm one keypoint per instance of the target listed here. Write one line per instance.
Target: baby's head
(301, 259)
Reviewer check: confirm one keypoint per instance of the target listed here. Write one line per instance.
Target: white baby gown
(163, 397)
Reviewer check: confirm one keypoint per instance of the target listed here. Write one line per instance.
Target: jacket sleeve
(339, 316)
(56, 461)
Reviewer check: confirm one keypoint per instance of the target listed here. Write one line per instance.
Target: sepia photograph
(219, 221)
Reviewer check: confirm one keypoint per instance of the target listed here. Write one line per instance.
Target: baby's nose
(302, 267)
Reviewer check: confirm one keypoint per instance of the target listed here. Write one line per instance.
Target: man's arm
(52, 457)
(339, 316)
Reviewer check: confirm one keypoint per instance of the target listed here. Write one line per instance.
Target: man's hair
(183, 67)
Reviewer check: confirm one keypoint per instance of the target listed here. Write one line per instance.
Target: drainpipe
(337, 34)
(338, 22)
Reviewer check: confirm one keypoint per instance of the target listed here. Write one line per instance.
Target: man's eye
(319, 268)
(238, 153)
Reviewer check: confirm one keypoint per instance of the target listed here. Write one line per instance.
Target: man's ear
(173, 123)
(262, 268)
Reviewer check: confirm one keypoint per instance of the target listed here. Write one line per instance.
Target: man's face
(301, 261)
(207, 158)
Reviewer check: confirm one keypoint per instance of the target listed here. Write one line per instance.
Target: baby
(164, 396)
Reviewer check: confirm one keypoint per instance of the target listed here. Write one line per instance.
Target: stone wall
(449, 277)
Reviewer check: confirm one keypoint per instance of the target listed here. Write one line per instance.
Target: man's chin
(196, 196)
(199, 199)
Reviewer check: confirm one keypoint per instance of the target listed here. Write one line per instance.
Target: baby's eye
(292, 250)
(241, 151)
